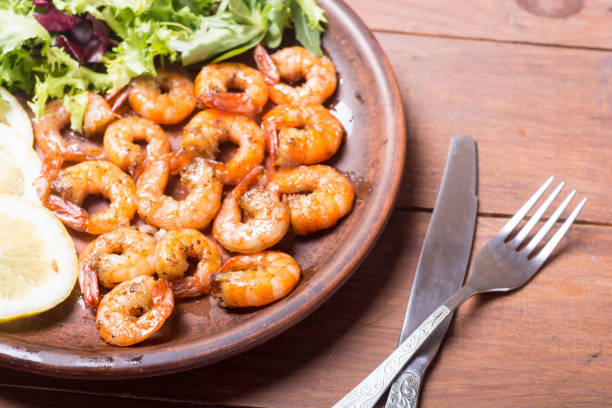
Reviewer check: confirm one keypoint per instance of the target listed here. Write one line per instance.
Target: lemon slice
(38, 262)
(19, 165)
(15, 116)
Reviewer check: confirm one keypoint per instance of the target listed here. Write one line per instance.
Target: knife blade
(442, 263)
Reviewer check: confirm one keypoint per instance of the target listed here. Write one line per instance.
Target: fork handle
(369, 391)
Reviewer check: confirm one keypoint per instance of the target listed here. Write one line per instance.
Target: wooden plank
(17, 397)
(540, 346)
(576, 23)
(534, 111)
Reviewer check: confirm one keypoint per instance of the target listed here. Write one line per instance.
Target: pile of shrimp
(152, 248)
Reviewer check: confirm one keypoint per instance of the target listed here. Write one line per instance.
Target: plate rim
(63, 363)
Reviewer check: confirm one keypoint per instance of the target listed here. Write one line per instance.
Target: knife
(442, 264)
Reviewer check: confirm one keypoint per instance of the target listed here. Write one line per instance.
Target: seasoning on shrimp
(172, 255)
(255, 280)
(172, 106)
(291, 65)
(215, 81)
(209, 128)
(75, 183)
(306, 134)
(120, 147)
(267, 217)
(56, 149)
(317, 196)
(195, 211)
(134, 310)
(112, 258)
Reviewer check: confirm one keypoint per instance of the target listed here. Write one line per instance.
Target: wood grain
(576, 23)
(534, 347)
(15, 397)
(534, 111)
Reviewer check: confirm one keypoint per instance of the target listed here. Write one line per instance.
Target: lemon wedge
(19, 165)
(38, 261)
(14, 115)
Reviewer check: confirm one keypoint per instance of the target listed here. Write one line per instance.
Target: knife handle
(369, 391)
(404, 391)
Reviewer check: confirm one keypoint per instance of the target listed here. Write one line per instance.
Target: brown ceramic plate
(63, 342)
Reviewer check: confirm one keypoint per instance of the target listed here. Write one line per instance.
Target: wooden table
(531, 81)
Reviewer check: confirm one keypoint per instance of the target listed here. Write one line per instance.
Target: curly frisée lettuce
(66, 48)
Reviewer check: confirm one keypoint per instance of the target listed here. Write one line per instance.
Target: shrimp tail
(74, 152)
(88, 281)
(42, 187)
(272, 144)
(70, 214)
(163, 294)
(229, 101)
(180, 159)
(184, 288)
(246, 183)
(266, 65)
(49, 171)
(118, 97)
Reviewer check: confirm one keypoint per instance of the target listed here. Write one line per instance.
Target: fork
(502, 265)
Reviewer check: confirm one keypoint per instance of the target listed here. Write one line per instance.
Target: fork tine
(550, 246)
(514, 221)
(548, 225)
(535, 218)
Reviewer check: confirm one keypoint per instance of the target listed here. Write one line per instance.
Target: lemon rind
(55, 234)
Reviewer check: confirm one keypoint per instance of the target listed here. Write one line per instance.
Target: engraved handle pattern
(404, 391)
(371, 389)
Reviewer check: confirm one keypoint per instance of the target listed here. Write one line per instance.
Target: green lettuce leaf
(135, 55)
(16, 29)
(92, 6)
(16, 70)
(308, 36)
(278, 19)
(313, 12)
(238, 26)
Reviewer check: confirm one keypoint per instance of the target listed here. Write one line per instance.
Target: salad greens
(66, 48)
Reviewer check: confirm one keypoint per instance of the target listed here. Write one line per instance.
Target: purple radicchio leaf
(85, 38)
(55, 20)
(99, 40)
(75, 49)
(81, 33)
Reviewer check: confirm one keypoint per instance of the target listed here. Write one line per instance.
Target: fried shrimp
(98, 115)
(267, 217)
(112, 258)
(209, 128)
(171, 261)
(75, 183)
(291, 65)
(195, 211)
(215, 81)
(317, 196)
(120, 147)
(301, 134)
(55, 149)
(255, 280)
(148, 100)
(134, 310)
